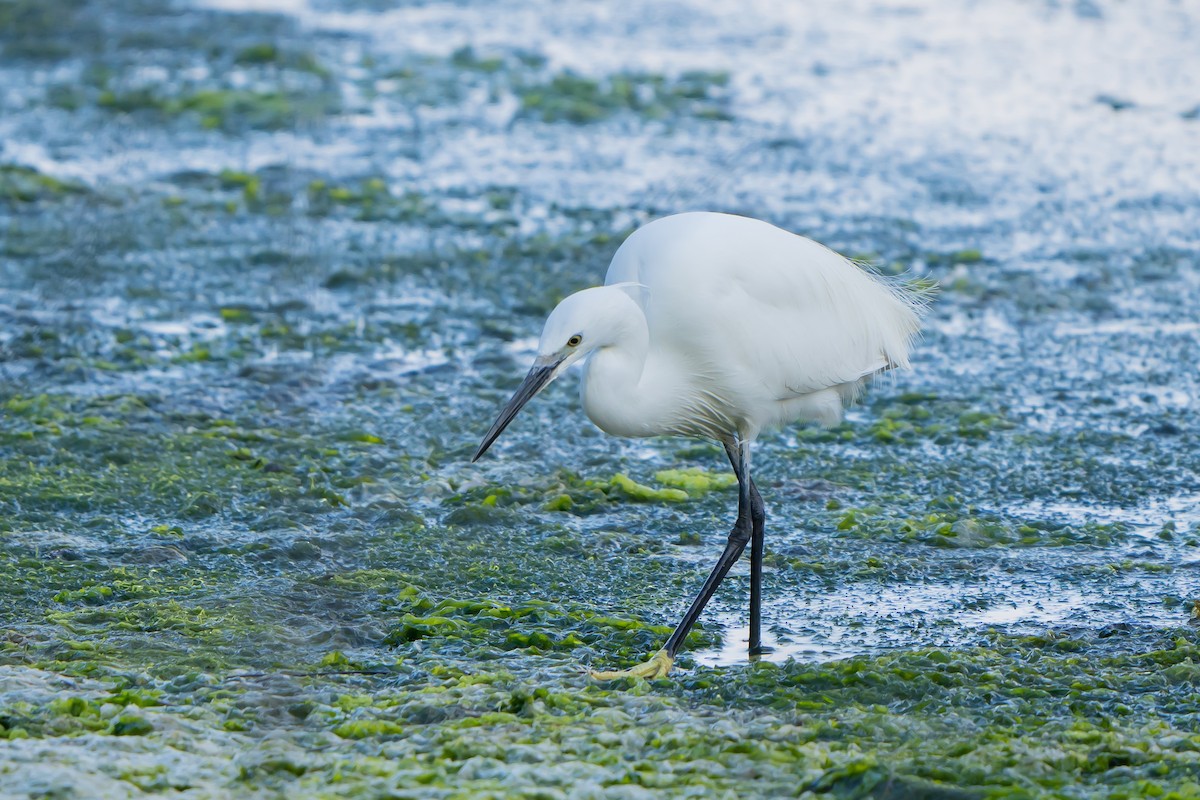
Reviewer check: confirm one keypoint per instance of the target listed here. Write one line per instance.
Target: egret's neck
(618, 391)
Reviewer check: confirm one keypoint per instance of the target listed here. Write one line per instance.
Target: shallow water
(269, 269)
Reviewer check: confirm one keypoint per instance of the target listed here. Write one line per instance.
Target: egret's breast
(610, 414)
(651, 399)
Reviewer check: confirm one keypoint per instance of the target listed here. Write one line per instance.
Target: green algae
(290, 567)
(292, 86)
(694, 481)
(1012, 718)
(110, 454)
(562, 491)
(370, 200)
(466, 58)
(568, 492)
(568, 97)
(128, 725)
(949, 524)
(1061, 690)
(532, 626)
(226, 109)
(233, 109)
(643, 493)
(552, 97)
(452, 701)
(917, 416)
(965, 256)
(20, 184)
(43, 31)
(368, 729)
(269, 54)
(279, 191)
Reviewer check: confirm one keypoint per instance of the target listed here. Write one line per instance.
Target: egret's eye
(574, 341)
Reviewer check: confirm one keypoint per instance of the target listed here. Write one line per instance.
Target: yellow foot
(657, 667)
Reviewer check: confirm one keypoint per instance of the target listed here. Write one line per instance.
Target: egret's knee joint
(740, 535)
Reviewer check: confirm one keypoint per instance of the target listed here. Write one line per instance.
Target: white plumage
(722, 326)
(747, 326)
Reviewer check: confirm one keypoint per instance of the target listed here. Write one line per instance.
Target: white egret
(720, 326)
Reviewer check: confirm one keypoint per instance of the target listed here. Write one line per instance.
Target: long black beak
(540, 375)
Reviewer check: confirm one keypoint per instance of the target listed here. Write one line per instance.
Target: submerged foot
(657, 667)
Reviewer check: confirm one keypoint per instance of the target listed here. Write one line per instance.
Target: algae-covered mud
(268, 269)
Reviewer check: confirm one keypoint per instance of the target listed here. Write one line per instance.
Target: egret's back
(770, 326)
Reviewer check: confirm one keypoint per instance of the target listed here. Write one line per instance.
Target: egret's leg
(757, 540)
(660, 664)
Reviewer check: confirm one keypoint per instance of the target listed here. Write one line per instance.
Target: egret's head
(576, 327)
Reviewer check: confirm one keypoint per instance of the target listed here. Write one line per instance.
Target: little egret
(720, 326)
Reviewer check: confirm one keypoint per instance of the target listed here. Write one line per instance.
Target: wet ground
(266, 276)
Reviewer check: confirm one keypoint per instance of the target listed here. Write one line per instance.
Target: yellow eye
(574, 341)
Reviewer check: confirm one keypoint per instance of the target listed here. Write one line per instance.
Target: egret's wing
(748, 304)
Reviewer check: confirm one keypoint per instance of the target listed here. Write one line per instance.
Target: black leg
(747, 529)
(739, 537)
(757, 541)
